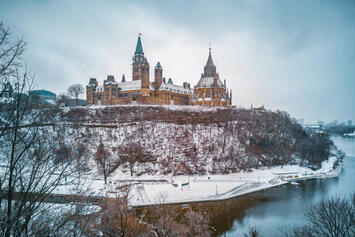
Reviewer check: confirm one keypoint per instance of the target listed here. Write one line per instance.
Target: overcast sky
(297, 56)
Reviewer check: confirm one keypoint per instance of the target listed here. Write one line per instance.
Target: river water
(270, 209)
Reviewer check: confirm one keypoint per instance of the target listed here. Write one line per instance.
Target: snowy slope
(182, 139)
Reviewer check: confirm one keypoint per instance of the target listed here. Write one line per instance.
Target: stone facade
(141, 90)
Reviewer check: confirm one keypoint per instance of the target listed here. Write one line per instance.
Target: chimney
(164, 80)
(185, 85)
(225, 84)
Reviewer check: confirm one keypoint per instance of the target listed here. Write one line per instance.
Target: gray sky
(297, 56)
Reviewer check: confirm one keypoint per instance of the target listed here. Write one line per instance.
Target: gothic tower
(140, 66)
(210, 69)
(158, 76)
(210, 90)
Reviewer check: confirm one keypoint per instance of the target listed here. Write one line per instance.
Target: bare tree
(62, 99)
(29, 173)
(334, 218)
(75, 91)
(118, 220)
(132, 153)
(197, 224)
(170, 221)
(163, 219)
(105, 161)
(10, 56)
(252, 232)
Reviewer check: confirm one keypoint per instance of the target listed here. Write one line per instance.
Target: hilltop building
(209, 91)
(140, 89)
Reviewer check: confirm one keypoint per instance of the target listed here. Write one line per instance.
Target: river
(270, 209)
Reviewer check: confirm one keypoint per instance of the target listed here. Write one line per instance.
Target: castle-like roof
(209, 72)
(206, 82)
(110, 80)
(158, 66)
(139, 48)
(210, 68)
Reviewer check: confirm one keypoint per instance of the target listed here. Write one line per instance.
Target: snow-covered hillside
(183, 139)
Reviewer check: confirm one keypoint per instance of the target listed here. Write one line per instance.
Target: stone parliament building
(209, 91)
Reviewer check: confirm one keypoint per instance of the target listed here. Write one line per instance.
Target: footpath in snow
(150, 190)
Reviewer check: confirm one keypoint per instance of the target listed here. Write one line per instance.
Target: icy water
(270, 209)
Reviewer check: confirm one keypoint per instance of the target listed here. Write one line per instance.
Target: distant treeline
(339, 129)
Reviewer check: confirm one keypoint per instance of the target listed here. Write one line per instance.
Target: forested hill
(188, 140)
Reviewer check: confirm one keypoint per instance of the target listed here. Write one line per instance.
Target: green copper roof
(139, 48)
(158, 65)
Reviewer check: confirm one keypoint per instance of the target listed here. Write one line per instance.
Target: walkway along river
(268, 210)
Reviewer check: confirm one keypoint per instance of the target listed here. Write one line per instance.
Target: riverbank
(185, 189)
(149, 190)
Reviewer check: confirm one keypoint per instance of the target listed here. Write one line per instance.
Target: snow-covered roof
(6, 100)
(110, 83)
(130, 85)
(136, 85)
(52, 102)
(100, 88)
(175, 88)
(206, 82)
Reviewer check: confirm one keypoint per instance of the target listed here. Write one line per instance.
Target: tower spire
(209, 60)
(139, 48)
(210, 68)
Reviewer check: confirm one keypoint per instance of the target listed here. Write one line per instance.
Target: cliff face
(182, 140)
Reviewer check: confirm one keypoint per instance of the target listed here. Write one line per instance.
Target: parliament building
(209, 91)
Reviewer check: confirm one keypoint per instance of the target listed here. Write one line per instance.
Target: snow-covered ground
(150, 190)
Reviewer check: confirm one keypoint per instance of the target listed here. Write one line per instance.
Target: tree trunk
(131, 167)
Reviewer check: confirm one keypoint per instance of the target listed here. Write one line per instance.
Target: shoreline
(151, 190)
(230, 197)
(234, 187)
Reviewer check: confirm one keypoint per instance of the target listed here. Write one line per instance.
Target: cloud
(295, 56)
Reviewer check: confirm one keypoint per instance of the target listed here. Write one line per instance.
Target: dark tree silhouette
(105, 161)
(29, 172)
(75, 91)
(329, 218)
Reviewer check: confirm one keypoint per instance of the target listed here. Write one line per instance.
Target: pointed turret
(139, 48)
(158, 65)
(209, 60)
(210, 68)
(158, 76)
